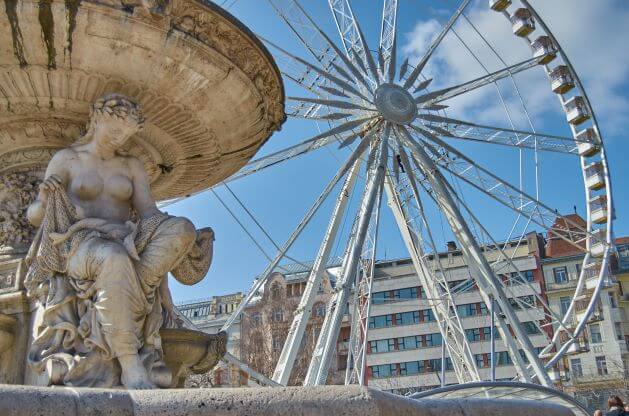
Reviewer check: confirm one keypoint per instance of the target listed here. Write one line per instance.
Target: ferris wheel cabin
(576, 110)
(499, 5)
(522, 22)
(562, 80)
(588, 143)
(544, 49)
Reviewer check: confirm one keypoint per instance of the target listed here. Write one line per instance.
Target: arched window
(278, 315)
(276, 291)
(319, 310)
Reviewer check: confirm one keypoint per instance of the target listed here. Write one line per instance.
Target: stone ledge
(289, 401)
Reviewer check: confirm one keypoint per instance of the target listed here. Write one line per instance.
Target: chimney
(451, 246)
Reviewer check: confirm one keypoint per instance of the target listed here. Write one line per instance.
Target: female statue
(99, 262)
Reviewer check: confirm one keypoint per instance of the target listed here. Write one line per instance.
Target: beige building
(599, 365)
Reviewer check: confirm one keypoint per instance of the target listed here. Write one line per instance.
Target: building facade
(404, 344)
(404, 351)
(598, 365)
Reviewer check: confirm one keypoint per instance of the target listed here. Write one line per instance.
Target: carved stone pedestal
(17, 190)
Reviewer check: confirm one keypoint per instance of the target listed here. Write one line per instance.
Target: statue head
(114, 118)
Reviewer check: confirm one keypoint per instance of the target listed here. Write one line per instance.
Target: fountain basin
(210, 91)
(191, 352)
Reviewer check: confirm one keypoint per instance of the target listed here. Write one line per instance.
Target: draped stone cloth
(96, 285)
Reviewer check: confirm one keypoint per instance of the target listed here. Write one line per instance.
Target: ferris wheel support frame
(486, 278)
(451, 328)
(326, 343)
(293, 341)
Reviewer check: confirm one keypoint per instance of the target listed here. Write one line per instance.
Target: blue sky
(591, 33)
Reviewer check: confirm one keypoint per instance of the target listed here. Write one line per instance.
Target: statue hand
(51, 183)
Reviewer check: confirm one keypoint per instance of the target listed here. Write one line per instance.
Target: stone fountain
(209, 91)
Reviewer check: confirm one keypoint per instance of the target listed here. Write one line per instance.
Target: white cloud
(592, 33)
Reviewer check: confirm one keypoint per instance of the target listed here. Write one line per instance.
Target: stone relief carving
(98, 263)
(17, 191)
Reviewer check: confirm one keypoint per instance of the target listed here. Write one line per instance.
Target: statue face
(113, 132)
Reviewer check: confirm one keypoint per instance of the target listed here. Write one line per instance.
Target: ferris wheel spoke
(345, 105)
(345, 85)
(464, 130)
(451, 92)
(388, 39)
(357, 153)
(510, 196)
(303, 20)
(503, 260)
(350, 35)
(410, 81)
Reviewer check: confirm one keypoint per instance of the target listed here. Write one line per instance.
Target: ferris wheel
(402, 140)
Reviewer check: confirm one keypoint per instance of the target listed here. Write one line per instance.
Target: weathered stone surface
(290, 401)
(210, 90)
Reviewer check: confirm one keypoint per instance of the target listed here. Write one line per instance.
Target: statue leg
(169, 244)
(121, 306)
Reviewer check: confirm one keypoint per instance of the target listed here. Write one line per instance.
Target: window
(412, 367)
(560, 274)
(409, 343)
(432, 340)
(383, 370)
(472, 334)
(408, 318)
(577, 369)
(405, 294)
(382, 345)
(480, 360)
(564, 304)
(612, 300)
(516, 278)
(381, 321)
(595, 334)
(434, 365)
(319, 310)
(577, 267)
(503, 358)
(277, 342)
(256, 318)
(618, 328)
(379, 298)
(531, 328)
(276, 291)
(278, 315)
(426, 315)
(601, 365)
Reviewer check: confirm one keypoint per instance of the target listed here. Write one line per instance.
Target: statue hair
(114, 105)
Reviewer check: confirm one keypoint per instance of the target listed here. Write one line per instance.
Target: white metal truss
(361, 305)
(326, 344)
(293, 341)
(387, 49)
(436, 289)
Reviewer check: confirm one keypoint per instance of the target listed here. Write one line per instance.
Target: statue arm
(55, 178)
(143, 201)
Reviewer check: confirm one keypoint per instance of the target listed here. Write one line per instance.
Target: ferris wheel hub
(395, 104)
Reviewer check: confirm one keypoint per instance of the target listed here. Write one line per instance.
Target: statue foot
(134, 375)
